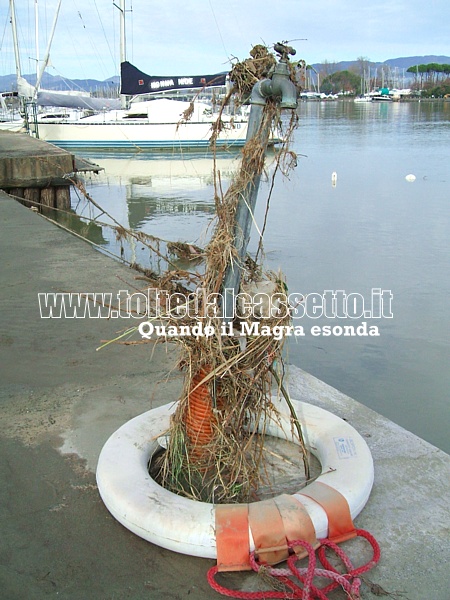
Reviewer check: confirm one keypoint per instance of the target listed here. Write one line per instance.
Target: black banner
(135, 82)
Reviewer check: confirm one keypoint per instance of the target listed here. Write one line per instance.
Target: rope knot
(288, 579)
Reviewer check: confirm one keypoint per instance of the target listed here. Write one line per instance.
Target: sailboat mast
(123, 52)
(47, 53)
(36, 35)
(15, 39)
(123, 41)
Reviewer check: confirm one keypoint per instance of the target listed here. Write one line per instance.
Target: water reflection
(156, 194)
(143, 208)
(86, 229)
(170, 198)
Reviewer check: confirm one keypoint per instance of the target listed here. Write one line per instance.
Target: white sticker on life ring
(345, 447)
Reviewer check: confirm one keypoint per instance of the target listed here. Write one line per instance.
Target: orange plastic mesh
(199, 417)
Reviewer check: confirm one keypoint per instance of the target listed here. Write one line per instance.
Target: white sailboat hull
(133, 134)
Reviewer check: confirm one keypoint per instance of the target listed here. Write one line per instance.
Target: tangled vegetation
(216, 436)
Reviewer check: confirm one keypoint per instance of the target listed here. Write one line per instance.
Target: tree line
(432, 79)
(431, 74)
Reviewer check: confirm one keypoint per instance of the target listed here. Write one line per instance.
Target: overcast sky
(201, 36)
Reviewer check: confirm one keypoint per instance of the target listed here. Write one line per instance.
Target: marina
(152, 113)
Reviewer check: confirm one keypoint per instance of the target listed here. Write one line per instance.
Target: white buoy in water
(333, 178)
(410, 177)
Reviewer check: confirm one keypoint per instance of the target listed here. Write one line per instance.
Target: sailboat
(159, 122)
(154, 114)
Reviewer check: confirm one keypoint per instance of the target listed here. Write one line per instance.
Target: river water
(365, 231)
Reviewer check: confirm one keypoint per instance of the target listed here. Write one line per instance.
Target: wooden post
(17, 193)
(62, 197)
(31, 197)
(47, 198)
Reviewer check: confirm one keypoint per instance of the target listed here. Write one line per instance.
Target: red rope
(348, 581)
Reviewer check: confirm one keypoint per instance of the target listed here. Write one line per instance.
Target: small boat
(382, 95)
(381, 98)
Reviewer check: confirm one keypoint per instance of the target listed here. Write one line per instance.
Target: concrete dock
(38, 173)
(60, 400)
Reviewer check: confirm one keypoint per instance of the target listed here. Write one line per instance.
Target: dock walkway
(60, 400)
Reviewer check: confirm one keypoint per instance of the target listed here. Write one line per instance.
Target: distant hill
(400, 63)
(51, 82)
(411, 61)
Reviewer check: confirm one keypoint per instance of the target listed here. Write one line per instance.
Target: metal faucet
(278, 84)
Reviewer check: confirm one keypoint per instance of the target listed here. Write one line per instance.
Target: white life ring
(187, 526)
